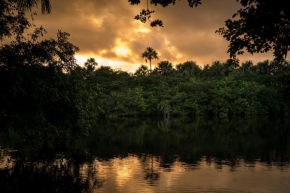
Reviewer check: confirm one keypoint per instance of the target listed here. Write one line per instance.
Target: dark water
(151, 155)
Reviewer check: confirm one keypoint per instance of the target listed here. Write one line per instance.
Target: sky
(106, 30)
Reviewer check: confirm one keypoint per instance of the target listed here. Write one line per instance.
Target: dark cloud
(106, 29)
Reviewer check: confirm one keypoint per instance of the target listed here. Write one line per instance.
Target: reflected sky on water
(134, 155)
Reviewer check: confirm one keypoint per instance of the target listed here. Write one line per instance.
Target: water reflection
(189, 178)
(6, 161)
(133, 155)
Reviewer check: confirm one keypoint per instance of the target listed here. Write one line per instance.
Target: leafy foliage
(28, 4)
(51, 52)
(145, 15)
(222, 89)
(43, 87)
(12, 20)
(258, 27)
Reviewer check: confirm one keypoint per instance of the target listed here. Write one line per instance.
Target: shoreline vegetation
(43, 89)
(71, 128)
(42, 85)
(49, 96)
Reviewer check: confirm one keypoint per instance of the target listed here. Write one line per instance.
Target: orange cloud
(107, 30)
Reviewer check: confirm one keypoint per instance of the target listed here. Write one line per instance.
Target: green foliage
(188, 68)
(48, 89)
(43, 87)
(47, 96)
(142, 71)
(58, 53)
(165, 68)
(221, 90)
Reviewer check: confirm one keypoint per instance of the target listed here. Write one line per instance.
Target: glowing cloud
(107, 31)
(121, 49)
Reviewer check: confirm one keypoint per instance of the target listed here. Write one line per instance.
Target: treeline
(78, 96)
(220, 89)
(42, 85)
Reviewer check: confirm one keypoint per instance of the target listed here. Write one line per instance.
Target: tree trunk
(150, 66)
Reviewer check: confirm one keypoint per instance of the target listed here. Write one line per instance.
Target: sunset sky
(107, 31)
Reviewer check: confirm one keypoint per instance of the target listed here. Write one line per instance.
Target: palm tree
(28, 4)
(165, 68)
(150, 54)
(142, 71)
(188, 68)
(263, 67)
(246, 66)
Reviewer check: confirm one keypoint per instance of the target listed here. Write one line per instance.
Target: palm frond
(29, 4)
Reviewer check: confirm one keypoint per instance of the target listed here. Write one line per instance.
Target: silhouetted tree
(90, 66)
(188, 68)
(13, 19)
(164, 68)
(150, 54)
(142, 71)
(53, 52)
(258, 27)
(145, 15)
(246, 66)
(28, 4)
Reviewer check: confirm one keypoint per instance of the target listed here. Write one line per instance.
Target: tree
(142, 71)
(215, 70)
(90, 67)
(259, 26)
(52, 52)
(188, 68)
(91, 64)
(164, 68)
(28, 4)
(13, 21)
(246, 66)
(263, 67)
(150, 54)
(145, 15)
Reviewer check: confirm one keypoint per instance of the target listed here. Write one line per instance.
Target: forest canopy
(41, 82)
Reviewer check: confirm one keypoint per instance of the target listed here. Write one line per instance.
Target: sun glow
(143, 30)
(81, 59)
(103, 52)
(121, 49)
(126, 66)
(139, 28)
